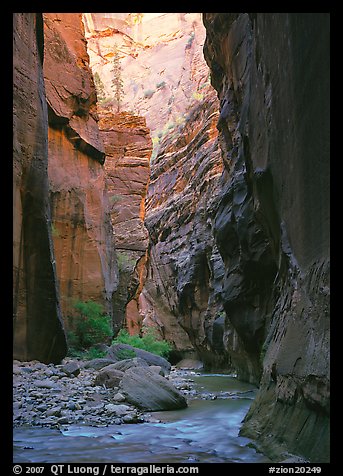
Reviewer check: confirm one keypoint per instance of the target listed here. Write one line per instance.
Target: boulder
(149, 391)
(189, 364)
(109, 376)
(116, 350)
(157, 369)
(71, 368)
(98, 364)
(126, 364)
(118, 410)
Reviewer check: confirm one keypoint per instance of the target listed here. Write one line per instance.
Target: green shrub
(89, 327)
(124, 354)
(161, 85)
(54, 231)
(149, 342)
(198, 96)
(125, 262)
(116, 198)
(89, 354)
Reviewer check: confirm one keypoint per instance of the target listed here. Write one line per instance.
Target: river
(204, 432)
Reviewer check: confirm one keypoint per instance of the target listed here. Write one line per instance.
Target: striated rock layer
(128, 148)
(38, 329)
(271, 72)
(182, 293)
(82, 231)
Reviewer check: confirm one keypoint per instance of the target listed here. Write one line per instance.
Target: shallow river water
(205, 432)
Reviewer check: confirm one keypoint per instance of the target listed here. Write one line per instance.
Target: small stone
(63, 420)
(72, 368)
(119, 397)
(44, 384)
(131, 417)
(53, 412)
(117, 409)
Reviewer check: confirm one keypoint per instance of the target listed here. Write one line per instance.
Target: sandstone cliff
(181, 295)
(82, 231)
(38, 329)
(128, 148)
(162, 66)
(271, 72)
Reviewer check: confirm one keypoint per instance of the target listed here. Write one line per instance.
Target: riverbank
(207, 430)
(56, 395)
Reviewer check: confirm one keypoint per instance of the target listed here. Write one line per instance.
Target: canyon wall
(37, 325)
(162, 66)
(271, 72)
(82, 230)
(181, 295)
(128, 148)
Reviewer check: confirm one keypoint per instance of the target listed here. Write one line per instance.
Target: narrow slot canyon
(171, 192)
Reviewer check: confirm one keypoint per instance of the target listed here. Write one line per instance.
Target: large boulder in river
(116, 352)
(147, 390)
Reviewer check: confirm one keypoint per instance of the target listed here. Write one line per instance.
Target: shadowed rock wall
(271, 72)
(181, 295)
(38, 329)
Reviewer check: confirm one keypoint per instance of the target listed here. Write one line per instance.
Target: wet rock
(130, 417)
(147, 390)
(64, 420)
(274, 276)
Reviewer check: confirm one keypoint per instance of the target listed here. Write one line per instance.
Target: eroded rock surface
(38, 329)
(158, 394)
(161, 60)
(182, 293)
(82, 231)
(128, 149)
(271, 72)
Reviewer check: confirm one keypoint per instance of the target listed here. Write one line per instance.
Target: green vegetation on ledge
(90, 326)
(150, 341)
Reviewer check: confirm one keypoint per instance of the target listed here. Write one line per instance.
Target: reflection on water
(205, 432)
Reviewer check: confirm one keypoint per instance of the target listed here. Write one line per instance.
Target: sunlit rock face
(271, 227)
(163, 69)
(37, 326)
(81, 225)
(128, 147)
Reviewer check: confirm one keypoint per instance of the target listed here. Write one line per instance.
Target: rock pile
(96, 392)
